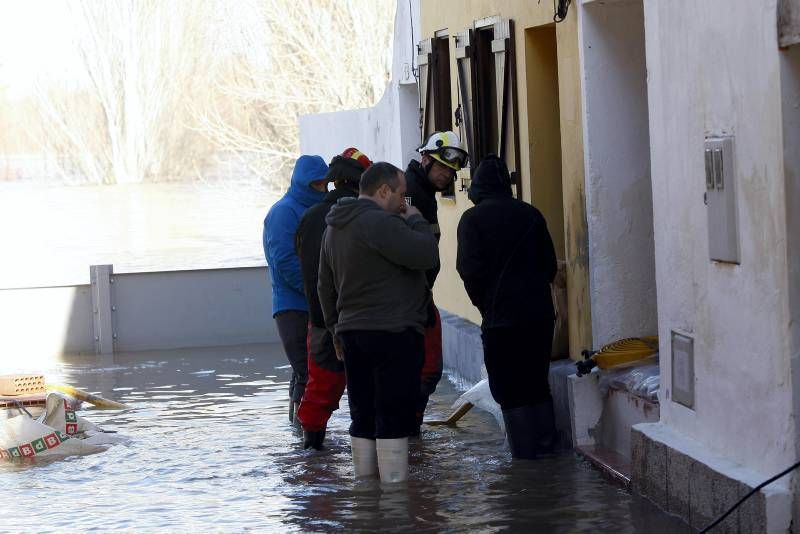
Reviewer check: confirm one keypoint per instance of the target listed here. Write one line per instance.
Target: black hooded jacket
(308, 237)
(307, 242)
(505, 254)
(421, 194)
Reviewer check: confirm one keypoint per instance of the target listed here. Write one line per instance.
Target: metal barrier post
(102, 278)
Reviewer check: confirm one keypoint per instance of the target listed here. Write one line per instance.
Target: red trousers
(326, 377)
(326, 381)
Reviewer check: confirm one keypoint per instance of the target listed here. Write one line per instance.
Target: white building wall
(790, 81)
(713, 68)
(389, 131)
(618, 186)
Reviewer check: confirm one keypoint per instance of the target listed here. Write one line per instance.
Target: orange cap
(356, 154)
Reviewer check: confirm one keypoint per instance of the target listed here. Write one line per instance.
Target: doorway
(544, 130)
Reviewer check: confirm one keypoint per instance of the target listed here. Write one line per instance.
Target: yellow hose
(626, 351)
(99, 402)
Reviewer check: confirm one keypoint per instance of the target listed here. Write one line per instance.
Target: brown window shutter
(506, 84)
(466, 90)
(424, 64)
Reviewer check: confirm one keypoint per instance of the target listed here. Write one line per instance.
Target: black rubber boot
(313, 439)
(545, 427)
(416, 429)
(521, 432)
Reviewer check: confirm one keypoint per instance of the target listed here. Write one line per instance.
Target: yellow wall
(544, 129)
(456, 15)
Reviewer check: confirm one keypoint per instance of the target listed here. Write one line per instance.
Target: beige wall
(544, 130)
(456, 16)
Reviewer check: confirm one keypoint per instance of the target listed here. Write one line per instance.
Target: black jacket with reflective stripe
(422, 195)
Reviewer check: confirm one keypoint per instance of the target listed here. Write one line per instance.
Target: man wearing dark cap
(507, 262)
(326, 378)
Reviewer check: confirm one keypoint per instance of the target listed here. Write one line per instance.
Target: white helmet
(446, 148)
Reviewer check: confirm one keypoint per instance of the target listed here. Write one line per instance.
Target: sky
(35, 41)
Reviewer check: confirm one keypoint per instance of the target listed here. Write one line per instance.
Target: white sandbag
(61, 415)
(58, 431)
(23, 437)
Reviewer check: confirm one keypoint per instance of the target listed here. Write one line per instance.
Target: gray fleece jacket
(372, 268)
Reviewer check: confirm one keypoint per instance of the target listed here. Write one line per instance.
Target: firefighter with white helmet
(446, 149)
(442, 155)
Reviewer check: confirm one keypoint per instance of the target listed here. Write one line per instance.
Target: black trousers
(383, 372)
(517, 360)
(293, 331)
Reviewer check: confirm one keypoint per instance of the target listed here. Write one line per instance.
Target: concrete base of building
(463, 360)
(602, 421)
(684, 479)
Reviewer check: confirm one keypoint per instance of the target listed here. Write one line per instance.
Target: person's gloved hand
(313, 439)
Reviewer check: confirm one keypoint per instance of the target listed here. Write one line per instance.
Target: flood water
(211, 449)
(51, 234)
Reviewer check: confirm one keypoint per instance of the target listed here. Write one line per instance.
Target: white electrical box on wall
(683, 369)
(720, 199)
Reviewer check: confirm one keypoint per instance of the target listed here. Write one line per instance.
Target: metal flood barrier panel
(122, 312)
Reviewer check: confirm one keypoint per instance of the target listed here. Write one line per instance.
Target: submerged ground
(212, 450)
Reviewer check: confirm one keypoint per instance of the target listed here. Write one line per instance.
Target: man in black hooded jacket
(441, 157)
(507, 262)
(326, 377)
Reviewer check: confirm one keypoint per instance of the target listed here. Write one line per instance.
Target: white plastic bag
(480, 396)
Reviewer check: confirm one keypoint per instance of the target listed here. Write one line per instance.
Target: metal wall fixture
(720, 200)
(682, 369)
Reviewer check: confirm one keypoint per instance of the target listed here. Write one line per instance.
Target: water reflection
(140, 227)
(212, 448)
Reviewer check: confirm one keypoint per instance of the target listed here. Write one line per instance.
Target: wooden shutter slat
(424, 54)
(466, 90)
(500, 46)
(505, 79)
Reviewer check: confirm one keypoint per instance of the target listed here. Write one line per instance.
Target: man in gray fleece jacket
(374, 297)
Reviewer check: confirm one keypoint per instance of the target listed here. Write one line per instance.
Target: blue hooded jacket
(279, 229)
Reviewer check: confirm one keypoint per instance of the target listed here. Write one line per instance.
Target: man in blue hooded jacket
(289, 307)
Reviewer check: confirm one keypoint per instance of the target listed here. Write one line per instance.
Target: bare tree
(166, 85)
(6, 127)
(288, 58)
(142, 63)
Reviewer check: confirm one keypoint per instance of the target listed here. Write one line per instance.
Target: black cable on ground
(750, 494)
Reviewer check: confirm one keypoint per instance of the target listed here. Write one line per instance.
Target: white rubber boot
(392, 459)
(365, 461)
